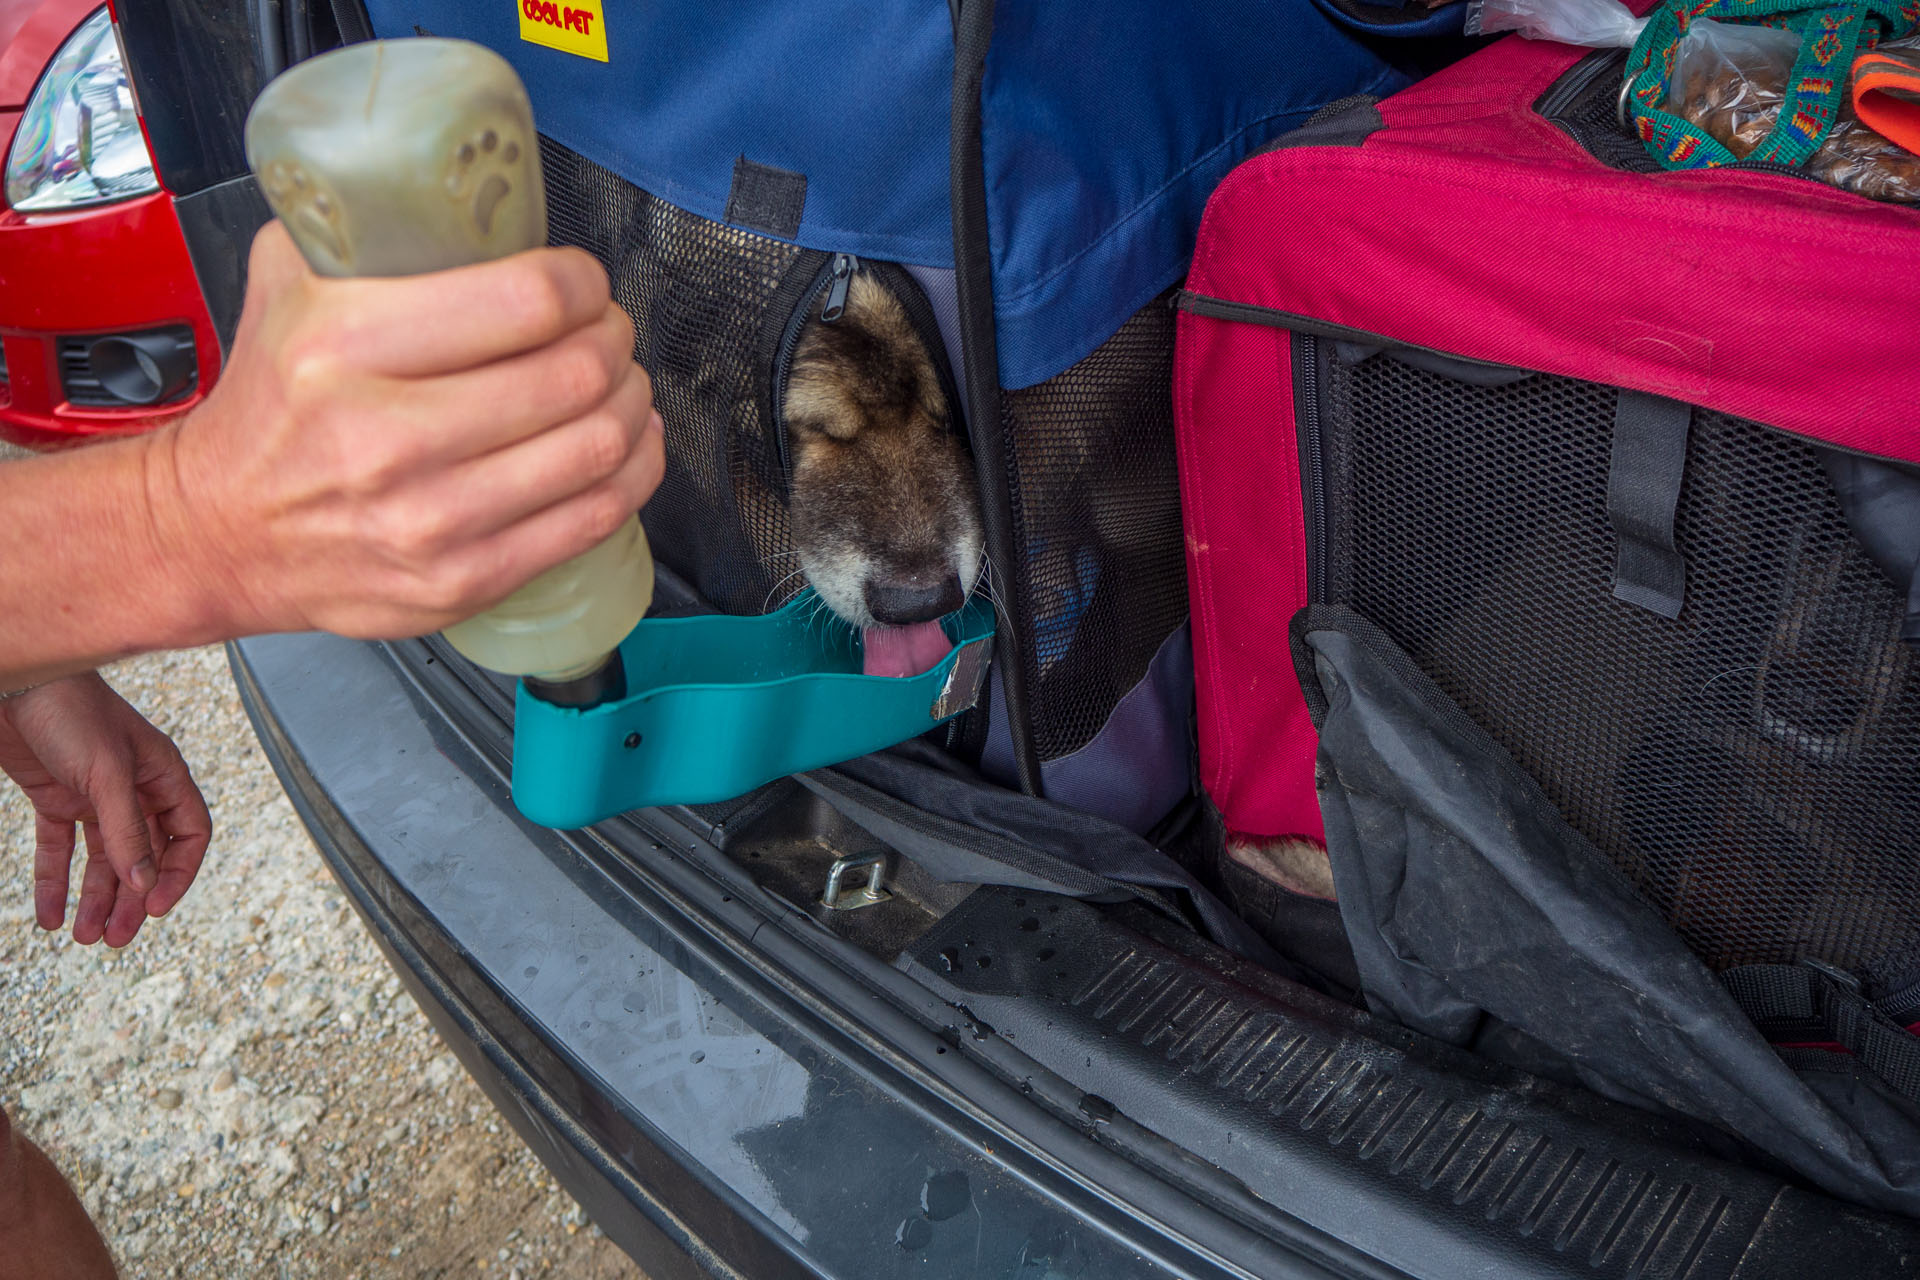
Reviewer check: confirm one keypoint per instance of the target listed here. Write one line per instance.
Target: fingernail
(144, 876)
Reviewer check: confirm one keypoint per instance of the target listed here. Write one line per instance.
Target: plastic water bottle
(397, 157)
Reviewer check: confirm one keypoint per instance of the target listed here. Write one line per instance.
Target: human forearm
(381, 458)
(99, 563)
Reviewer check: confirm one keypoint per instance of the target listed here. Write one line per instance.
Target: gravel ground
(246, 1089)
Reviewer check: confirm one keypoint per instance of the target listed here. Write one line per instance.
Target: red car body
(111, 268)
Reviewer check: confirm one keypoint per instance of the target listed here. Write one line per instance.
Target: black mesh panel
(1096, 494)
(1096, 527)
(1754, 766)
(698, 292)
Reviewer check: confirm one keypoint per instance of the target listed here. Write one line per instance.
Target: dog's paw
(1294, 863)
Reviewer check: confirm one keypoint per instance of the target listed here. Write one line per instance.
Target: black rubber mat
(1368, 1132)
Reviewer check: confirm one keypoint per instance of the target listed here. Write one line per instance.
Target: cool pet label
(571, 26)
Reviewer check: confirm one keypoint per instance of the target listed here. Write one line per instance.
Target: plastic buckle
(1833, 973)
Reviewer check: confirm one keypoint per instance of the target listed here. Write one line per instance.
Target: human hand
(385, 457)
(82, 755)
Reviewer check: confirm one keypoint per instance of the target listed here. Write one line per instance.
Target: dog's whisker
(999, 602)
(774, 590)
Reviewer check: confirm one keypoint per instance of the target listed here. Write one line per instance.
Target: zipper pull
(836, 305)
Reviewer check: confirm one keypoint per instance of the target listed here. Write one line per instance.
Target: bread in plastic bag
(1729, 80)
(1591, 24)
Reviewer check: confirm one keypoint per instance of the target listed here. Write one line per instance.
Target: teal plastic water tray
(719, 705)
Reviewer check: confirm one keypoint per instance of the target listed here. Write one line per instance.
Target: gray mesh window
(1754, 766)
(698, 292)
(1096, 514)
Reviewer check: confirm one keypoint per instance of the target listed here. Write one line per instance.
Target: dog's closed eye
(883, 501)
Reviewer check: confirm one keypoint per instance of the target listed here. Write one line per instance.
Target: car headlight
(79, 140)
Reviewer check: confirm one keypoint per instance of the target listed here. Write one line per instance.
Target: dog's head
(885, 512)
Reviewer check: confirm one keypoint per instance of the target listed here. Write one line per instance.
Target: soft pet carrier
(1029, 183)
(1560, 516)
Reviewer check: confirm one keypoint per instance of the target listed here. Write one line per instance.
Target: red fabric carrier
(1471, 224)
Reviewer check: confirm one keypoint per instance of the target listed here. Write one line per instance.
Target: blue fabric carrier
(1105, 126)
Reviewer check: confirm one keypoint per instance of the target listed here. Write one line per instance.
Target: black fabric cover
(1477, 915)
(961, 828)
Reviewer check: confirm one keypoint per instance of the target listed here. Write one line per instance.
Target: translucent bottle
(396, 157)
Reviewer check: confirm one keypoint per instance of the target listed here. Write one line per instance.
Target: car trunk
(1084, 1010)
(1285, 1131)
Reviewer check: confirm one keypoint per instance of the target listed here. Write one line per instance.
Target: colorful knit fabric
(1830, 35)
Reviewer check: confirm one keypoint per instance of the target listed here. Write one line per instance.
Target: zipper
(1201, 304)
(925, 323)
(1563, 104)
(834, 272)
(798, 307)
(1567, 91)
(839, 280)
(1305, 351)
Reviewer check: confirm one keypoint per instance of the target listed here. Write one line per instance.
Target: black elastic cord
(299, 32)
(973, 279)
(269, 38)
(350, 17)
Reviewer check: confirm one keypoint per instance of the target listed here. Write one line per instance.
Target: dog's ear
(899, 349)
(820, 395)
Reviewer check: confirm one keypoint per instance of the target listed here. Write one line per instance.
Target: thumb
(273, 267)
(124, 830)
(275, 261)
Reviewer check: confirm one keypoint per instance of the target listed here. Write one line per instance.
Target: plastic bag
(1730, 79)
(1591, 24)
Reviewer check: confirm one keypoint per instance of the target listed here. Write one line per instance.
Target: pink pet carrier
(1551, 534)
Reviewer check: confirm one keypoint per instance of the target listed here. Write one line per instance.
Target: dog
(883, 505)
(881, 511)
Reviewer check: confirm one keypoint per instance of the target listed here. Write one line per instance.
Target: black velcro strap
(766, 199)
(1809, 1002)
(1643, 492)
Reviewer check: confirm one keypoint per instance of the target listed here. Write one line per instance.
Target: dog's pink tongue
(904, 651)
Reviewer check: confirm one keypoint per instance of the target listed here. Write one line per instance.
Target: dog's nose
(899, 604)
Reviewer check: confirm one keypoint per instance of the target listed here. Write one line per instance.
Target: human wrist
(192, 550)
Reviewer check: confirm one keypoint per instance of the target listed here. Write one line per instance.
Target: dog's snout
(902, 603)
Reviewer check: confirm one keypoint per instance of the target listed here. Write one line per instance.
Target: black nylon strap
(1794, 1002)
(1643, 492)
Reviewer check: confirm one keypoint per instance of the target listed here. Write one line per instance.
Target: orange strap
(1886, 95)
